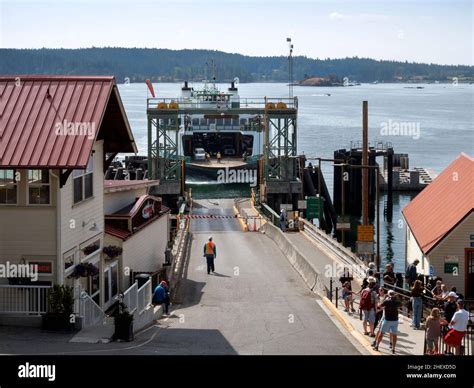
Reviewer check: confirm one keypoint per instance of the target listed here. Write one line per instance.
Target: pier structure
(282, 168)
(173, 125)
(348, 181)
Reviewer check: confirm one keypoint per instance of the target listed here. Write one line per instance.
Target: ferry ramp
(255, 302)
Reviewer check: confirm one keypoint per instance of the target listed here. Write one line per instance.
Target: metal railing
(91, 312)
(20, 299)
(222, 103)
(403, 294)
(144, 295)
(342, 252)
(467, 343)
(130, 298)
(138, 299)
(270, 214)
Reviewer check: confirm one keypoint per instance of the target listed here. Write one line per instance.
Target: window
(83, 182)
(111, 280)
(38, 187)
(8, 187)
(69, 261)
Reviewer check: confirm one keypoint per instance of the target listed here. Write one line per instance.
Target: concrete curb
(310, 275)
(363, 340)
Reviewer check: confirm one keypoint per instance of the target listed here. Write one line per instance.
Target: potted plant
(90, 249)
(123, 324)
(60, 315)
(84, 270)
(112, 251)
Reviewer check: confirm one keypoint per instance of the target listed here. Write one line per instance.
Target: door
(469, 279)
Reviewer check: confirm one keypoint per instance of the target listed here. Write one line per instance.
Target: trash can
(142, 278)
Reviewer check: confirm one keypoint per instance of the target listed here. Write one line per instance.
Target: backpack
(366, 300)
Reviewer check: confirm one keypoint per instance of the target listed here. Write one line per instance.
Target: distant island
(163, 65)
(330, 80)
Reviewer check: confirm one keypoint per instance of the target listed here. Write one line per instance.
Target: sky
(407, 30)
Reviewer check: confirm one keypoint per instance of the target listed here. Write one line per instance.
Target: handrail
(144, 296)
(271, 214)
(21, 286)
(23, 299)
(130, 297)
(89, 310)
(249, 103)
(337, 248)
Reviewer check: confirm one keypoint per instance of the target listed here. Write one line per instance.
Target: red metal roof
(115, 231)
(433, 213)
(31, 107)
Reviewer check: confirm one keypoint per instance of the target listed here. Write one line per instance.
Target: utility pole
(290, 69)
(365, 162)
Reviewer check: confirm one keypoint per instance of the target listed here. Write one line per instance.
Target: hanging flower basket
(90, 249)
(84, 270)
(112, 251)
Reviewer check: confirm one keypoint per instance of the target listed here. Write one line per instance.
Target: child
(433, 331)
(347, 296)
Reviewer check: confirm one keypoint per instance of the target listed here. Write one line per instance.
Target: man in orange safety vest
(210, 254)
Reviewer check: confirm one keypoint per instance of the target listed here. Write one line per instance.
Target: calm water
(443, 114)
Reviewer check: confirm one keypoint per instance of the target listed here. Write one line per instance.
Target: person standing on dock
(417, 303)
(411, 274)
(368, 301)
(283, 220)
(389, 321)
(210, 254)
(218, 156)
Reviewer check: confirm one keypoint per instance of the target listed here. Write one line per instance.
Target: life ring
(173, 105)
(281, 105)
(270, 105)
(162, 105)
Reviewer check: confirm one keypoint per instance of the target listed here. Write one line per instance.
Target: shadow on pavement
(220, 275)
(189, 293)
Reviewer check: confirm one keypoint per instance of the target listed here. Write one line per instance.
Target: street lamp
(290, 69)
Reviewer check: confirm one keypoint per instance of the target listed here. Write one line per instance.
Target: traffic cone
(254, 224)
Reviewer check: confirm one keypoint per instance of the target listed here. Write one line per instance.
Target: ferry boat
(219, 127)
(206, 130)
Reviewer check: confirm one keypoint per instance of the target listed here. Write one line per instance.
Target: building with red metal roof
(58, 135)
(440, 226)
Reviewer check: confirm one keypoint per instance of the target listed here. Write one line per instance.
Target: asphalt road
(255, 303)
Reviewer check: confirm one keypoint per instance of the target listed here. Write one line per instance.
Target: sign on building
(451, 265)
(312, 207)
(365, 247)
(365, 233)
(343, 223)
(302, 204)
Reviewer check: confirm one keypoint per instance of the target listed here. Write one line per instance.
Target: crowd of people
(380, 305)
